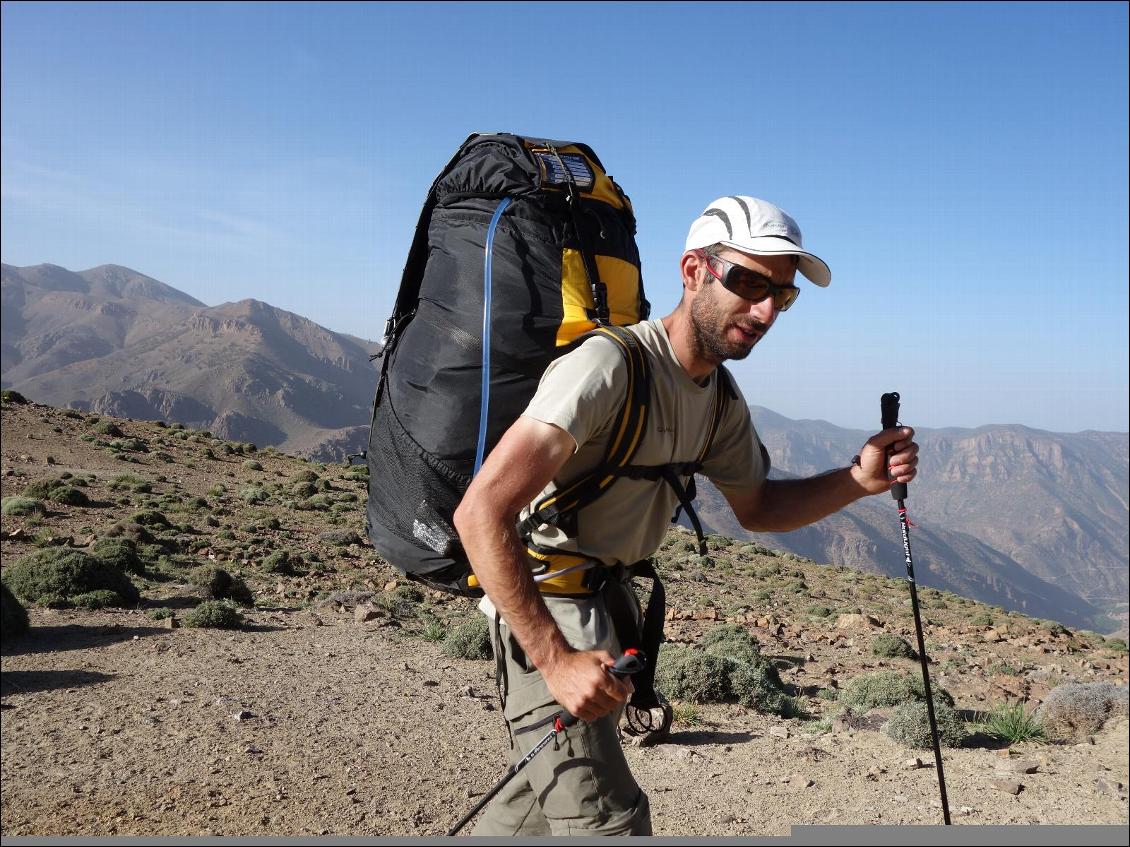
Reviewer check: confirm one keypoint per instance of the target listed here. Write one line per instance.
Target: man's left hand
(888, 457)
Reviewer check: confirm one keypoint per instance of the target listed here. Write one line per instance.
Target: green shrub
(252, 465)
(13, 616)
(41, 489)
(128, 482)
(432, 628)
(819, 611)
(22, 506)
(99, 599)
(215, 614)
(10, 396)
(254, 494)
(910, 725)
(306, 476)
(160, 614)
(981, 619)
(108, 428)
(218, 584)
(119, 552)
(133, 531)
(317, 503)
(304, 489)
(470, 640)
(729, 666)
(69, 496)
(687, 674)
(132, 445)
(54, 574)
(890, 646)
(887, 688)
(150, 517)
(1010, 722)
(281, 562)
(1075, 709)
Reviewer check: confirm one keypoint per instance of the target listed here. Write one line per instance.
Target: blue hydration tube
(484, 405)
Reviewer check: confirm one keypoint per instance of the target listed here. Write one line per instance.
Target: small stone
(912, 764)
(242, 715)
(170, 623)
(365, 613)
(1008, 786)
(1003, 753)
(779, 732)
(390, 585)
(1025, 766)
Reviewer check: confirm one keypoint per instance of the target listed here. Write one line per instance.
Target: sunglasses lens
(755, 287)
(785, 297)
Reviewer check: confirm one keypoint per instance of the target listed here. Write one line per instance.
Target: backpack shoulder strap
(627, 433)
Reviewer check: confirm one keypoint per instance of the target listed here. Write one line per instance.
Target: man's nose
(763, 311)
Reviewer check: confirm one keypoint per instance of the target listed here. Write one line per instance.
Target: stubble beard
(710, 328)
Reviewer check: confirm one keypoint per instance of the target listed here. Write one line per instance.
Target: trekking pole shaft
(922, 655)
(889, 405)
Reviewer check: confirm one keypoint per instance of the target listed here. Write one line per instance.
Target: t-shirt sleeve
(582, 391)
(737, 460)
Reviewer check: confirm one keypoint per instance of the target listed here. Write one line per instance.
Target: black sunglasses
(749, 284)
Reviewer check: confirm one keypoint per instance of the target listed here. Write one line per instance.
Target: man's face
(726, 326)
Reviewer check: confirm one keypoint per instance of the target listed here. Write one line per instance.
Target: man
(553, 639)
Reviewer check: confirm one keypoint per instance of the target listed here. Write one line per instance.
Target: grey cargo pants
(582, 784)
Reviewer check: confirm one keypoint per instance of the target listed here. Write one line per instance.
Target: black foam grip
(889, 405)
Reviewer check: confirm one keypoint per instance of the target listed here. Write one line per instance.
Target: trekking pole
(631, 662)
(890, 412)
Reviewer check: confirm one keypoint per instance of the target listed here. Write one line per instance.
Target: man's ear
(692, 265)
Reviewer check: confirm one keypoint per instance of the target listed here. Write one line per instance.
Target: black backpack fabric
(540, 235)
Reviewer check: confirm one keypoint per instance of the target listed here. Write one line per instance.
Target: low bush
(729, 666)
(215, 614)
(910, 725)
(890, 646)
(218, 584)
(470, 640)
(19, 506)
(108, 428)
(1076, 709)
(884, 689)
(119, 552)
(56, 576)
(100, 599)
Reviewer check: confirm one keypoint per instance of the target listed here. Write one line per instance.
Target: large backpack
(529, 244)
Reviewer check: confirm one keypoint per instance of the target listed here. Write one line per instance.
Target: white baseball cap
(754, 226)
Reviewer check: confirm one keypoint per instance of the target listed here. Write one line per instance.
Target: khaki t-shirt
(582, 392)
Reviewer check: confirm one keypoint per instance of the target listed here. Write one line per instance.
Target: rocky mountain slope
(1034, 521)
(335, 710)
(115, 342)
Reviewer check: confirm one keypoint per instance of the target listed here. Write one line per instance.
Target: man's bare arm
(526, 459)
(781, 505)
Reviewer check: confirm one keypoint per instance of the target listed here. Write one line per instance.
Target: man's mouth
(749, 334)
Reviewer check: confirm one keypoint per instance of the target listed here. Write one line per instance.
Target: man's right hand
(581, 683)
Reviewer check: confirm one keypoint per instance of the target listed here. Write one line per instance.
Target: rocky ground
(336, 710)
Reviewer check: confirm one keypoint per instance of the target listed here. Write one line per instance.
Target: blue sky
(961, 167)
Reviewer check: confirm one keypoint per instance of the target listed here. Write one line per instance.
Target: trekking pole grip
(889, 406)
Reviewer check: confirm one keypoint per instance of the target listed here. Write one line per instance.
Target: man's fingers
(890, 437)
